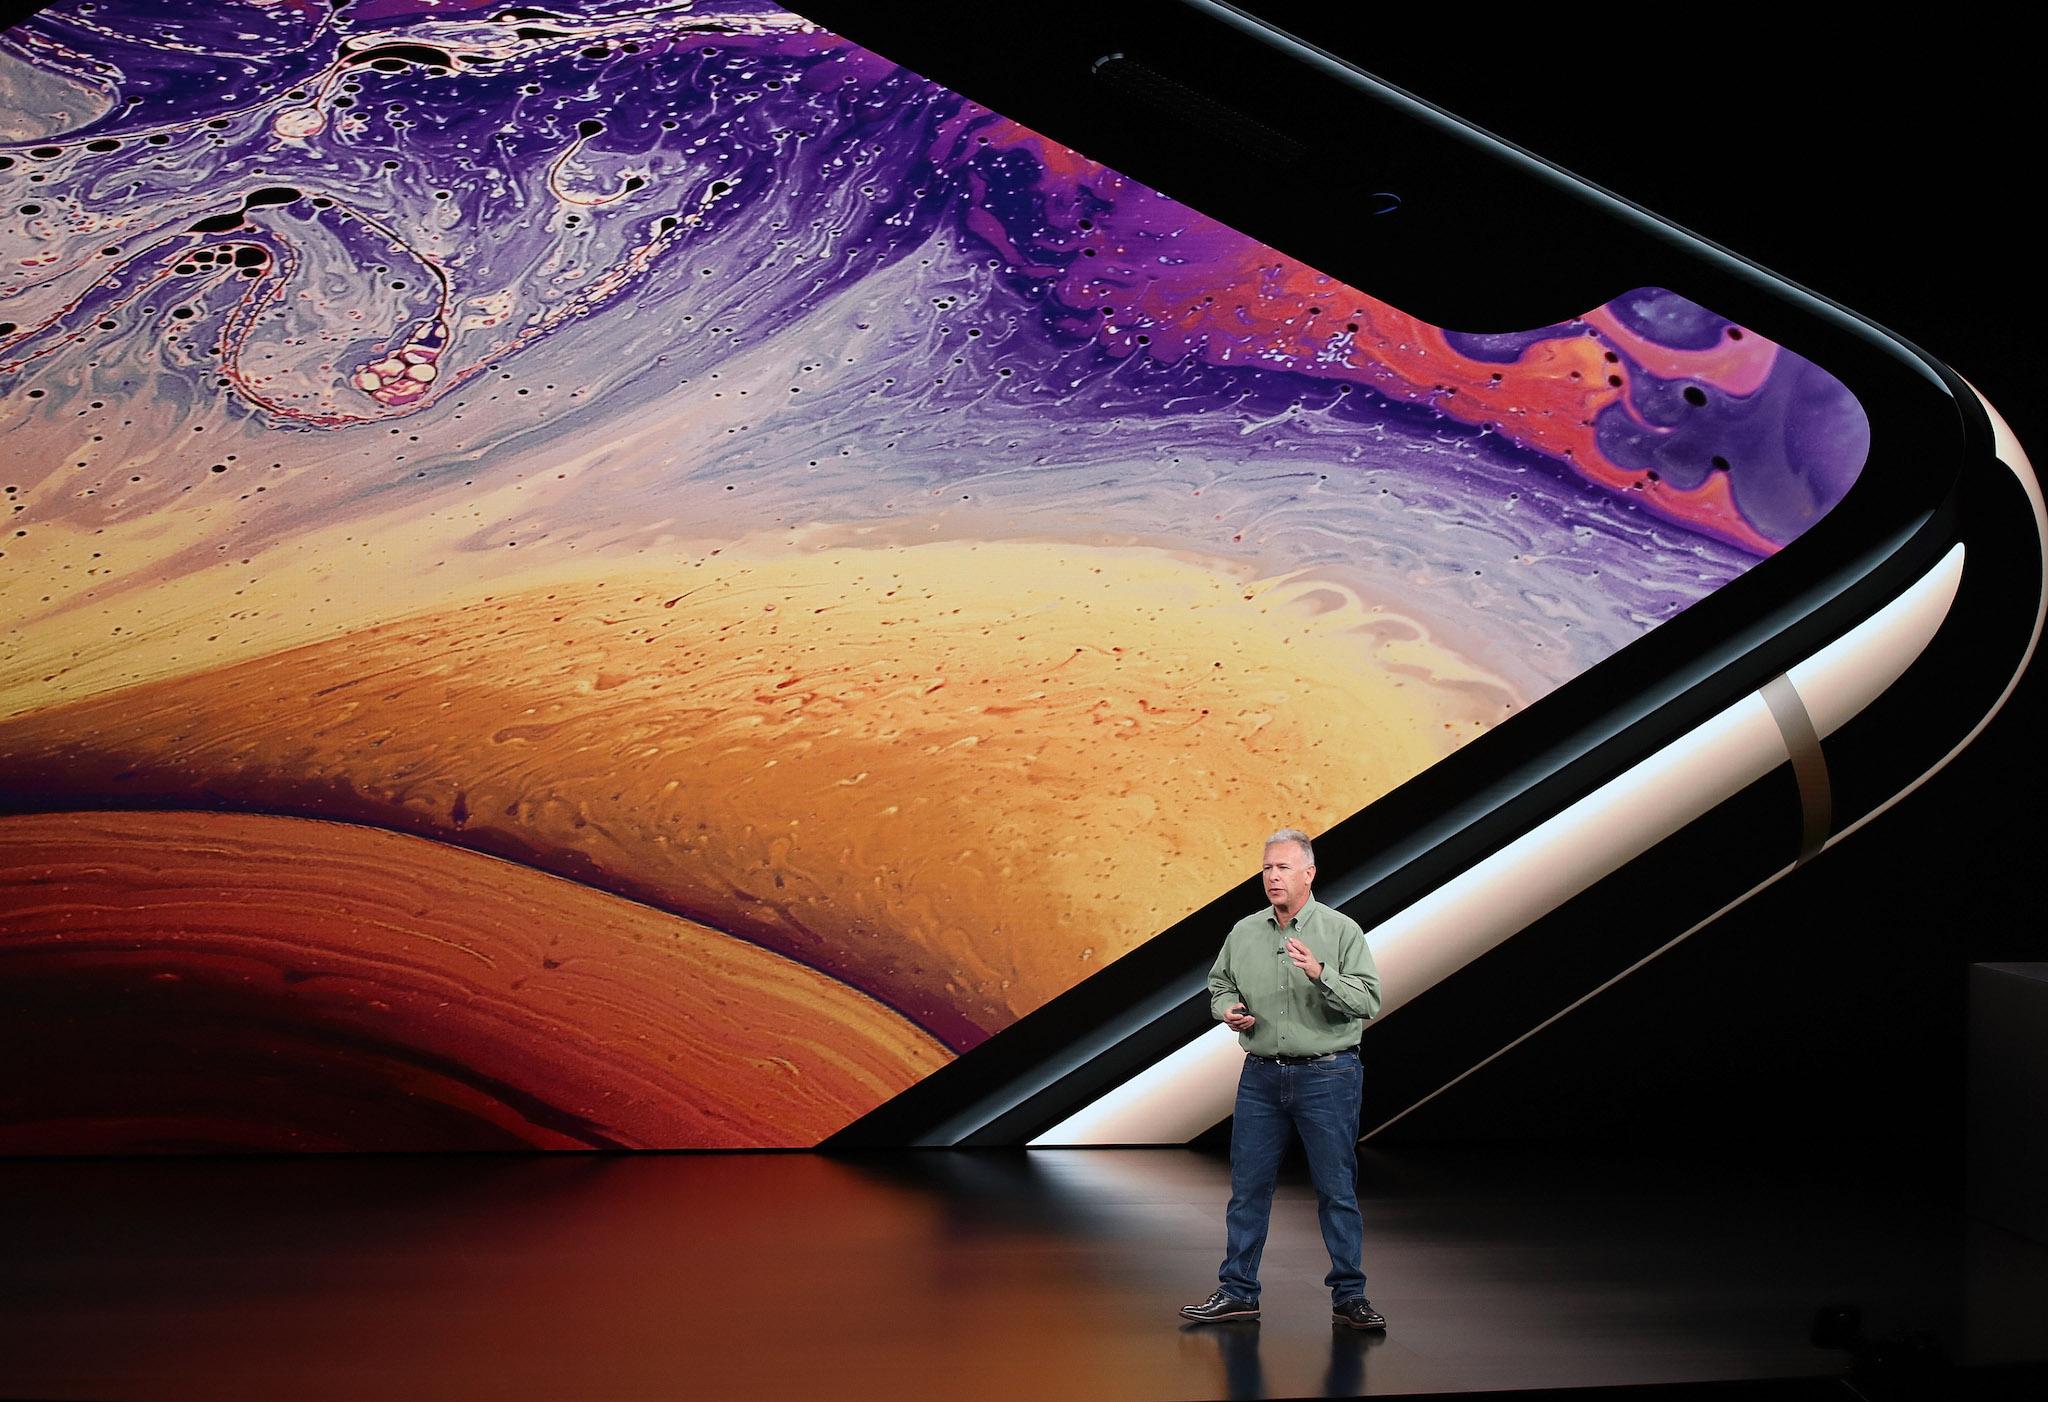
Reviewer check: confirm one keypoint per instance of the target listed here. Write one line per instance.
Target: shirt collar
(1299, 915)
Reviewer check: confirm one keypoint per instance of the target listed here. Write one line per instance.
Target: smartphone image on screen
(727, 577)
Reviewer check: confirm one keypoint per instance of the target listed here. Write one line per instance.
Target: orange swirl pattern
(930, 772)
(469, 1002)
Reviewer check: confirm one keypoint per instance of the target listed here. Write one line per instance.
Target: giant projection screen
(639, 576)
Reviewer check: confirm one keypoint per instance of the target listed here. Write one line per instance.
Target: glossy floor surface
(988, 1276)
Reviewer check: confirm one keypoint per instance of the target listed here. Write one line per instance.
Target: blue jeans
(1320, 1099)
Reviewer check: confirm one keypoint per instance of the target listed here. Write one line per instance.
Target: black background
(1886, 171)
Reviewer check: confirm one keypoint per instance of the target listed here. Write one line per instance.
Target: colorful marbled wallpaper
(638, 575)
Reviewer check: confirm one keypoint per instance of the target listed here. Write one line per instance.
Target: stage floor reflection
(985, 1276)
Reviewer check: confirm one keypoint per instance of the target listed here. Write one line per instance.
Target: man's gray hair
(1308, 849)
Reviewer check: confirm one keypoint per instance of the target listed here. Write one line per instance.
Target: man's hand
(1303, 960)
(1237, 1019)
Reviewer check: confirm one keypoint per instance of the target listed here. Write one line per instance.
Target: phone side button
(1809, 764)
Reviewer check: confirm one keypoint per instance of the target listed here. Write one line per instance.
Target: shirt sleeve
(1351, 984)
(1223, 994)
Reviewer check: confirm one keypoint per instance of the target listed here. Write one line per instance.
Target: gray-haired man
(1296, 983)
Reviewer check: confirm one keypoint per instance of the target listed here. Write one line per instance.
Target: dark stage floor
(1052, 1274)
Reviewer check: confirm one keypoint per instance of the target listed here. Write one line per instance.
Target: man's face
(1288, 875)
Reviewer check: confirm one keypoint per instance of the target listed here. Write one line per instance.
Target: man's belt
(1302, 1060)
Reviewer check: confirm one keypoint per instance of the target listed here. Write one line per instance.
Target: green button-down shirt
(1297, 1017)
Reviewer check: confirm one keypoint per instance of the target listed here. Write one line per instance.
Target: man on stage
(1296, 984)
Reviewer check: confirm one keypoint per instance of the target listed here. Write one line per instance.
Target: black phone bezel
(1893, 524)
